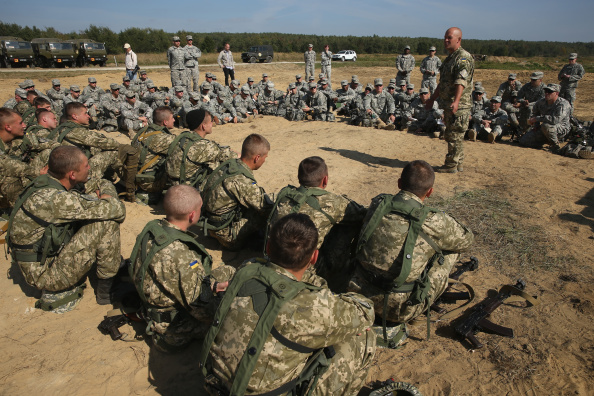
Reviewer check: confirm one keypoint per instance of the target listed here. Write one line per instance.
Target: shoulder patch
(194, 264)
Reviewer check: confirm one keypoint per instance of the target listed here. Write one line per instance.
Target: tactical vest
(143, 139)
(163, 236)
(269, 291)
(60, 134)
(55, 236)
(29, 115)
(184, 141)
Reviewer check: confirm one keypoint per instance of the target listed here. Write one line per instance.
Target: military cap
(324, 81)
(264, 75)
(432, 48)
(378, 81)
(126, 78)
(424, 90)
(355, 80)
(321, 75)
(537, 75)
(391, 85)
(310, 46)
(92, 80)
(478, 84)
(213, 76)
(514, 93)
(176, 38)
(188, 37)
(178, 88)
(222, 95)
(298, 76)
(250, 79)
(21, 93)
(496, 99)
(479, 89)
(344, 82)
(313, 85)
(195, 95)
(114, 86)
(25, 84)
(75, 88)
(407, 47)
(270, 84)
(410, 86)
(246, 90)
(150, 85)
(130, 94)
(55, 82)
(236, 83)
(392, 81)
(126, 45)
(292, 85)
(208, 75)
(552, 87)
(207, 85)
(142, 72)
(512, 76)
(573, 55)
(369, 87)
(311, 78)
(401, 83)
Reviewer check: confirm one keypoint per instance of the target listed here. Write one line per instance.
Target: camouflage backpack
(60, 134)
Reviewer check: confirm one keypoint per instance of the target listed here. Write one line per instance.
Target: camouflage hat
(206, 85)
(514, 93)
(344, 82)
(92, 80)
(114, 86)
(55, 82)
(194, 95)
(250, 79)
(126, 78)
(48, 298)
(391, 85)
(378, 81)
(298, 76)
(178, 88)
(292, 86)
(496, 99)
(312, 85)
(401, 83)
(264, 75)
(537, 75)
(369, 87)
(25, 84)
(310, 46)
(407, 47)
(478, 84)
(188, 37)
(479, 90)
(126, 46)
(573, 55)
(208, 75)
(142, 72)
(176, 38)
(424, 90)
(150, 85)
(410, 86)
(75, 88)
(355, 80)
(311, 78)
(270, 84)
(21, 93)
(130, 94)
(245, 90)
(324, 81)
(321, 75)
(432, 48)
(512, 76)
(235, 83)
(552, 87)
(392, 81)
(222, 95)
(213, 76)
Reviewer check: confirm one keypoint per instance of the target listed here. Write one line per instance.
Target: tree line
(151, 40)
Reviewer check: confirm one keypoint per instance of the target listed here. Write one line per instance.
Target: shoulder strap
(60, 134)
(227, 169)
(185, 140)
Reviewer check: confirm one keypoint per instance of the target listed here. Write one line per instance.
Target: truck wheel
(268, 59)
(103, 64)
(7, 64)
(253, 59)
(52, 64)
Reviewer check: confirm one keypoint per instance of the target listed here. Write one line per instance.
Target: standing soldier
(430, 69)
(192, 55)
(310, 61)
(327, 64)
(176, 57)
(569, 77)
(405, 63)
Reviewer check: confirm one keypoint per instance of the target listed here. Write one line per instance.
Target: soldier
(430, 69)
(403, 102)
(269, 100)
(29, 115)
(174, 276)
(235, 206)
(84, 230)
(193, 157)
(56, 96)
(233, 89)
(324, 88)
(300, 84)
(512, 110)
(110, 104)
(176, 57)
(14, 174)
(401, 87)
(310, 62)
(92, 91)
(315, 104)
(398, 249)
(328, 211)
(128, 86)
(569, 76)
(527, 97)
(327, 64)
(380, 106)
(35, 147)
(345, 96)
(454, 93)
(253, 88)
(479, 101)
(192, 55)
(489, 125)
(222, 109)
(75, 97)
(103, 152)
(176, 103)
(143, 82)
(421, 119)
(217, 86)
(245, 106)
(405, 63)
(292, 104)
(321, 77)
(22, 104)
(549, 119)
(359, 115)
(263, 83)
(226, 62)
(507, 87)
(29, 85)
(311, 317)
(134, 114)
(195, 101)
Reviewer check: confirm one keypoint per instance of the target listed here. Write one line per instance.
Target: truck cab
(90, 52)
(52, 52)
(258, 53)
(15, 52)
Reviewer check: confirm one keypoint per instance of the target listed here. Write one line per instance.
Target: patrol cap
(208, 75)
(479, 89)
(310, 46)
(401, 83)
(432, 48)
(75, 88)
(250, 79)
(407, 47)
(176, 38)
(344, 82)
(178, 88)
(27, 84)
(188, 37)
(369, 87)
(392, 81)
(114, 86)
(311, 78)
(126, 78)
(312, 85)
(130, 94)
(126, 45)
(324, 81)
(378, 81)
(264, 75)
(222, 95)
(21, 93)
(321, 75)
(246, 90)
(410, 86)
(194, 95)
(270, 84)
(496, 99)
(391, 85)
(512, 76)
(552, 88)
(573, 55)
(55, 82)
(537, 75)
(92, 80)
(292, 86)
(424, 90)
(478, 84)
(235, 83)
(298, 76)
(142, 72)
(150, 85)
(207, 85)
(213, 76)
(355, 80)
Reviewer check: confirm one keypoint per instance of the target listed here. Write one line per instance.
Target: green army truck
(90, 52)
(53, 52)
(15, 52)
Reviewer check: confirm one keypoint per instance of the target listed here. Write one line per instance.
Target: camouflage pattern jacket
(575, 71)
(309, 57)
(430, 64)
(243, 106)
(56, 98)
(456, 69)
(381, 104)
(133, 112)
(529, 94)
(317, 102)
(192, 55)
(10, 166)
(557, 113)
(405, 100)
(417, 110)
(326, 58)
(405, 63)
(176, 57)
(497, 118)
(81, 137)
(345, 96)
(272, 95)
(92, 93)
(110, 106)
(156, 139)
(220, 109)
(505, 90)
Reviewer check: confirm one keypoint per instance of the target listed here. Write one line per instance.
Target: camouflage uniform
(56, 99)
(222, 110)
(192, 72)
(426, 120)
(238, 197)
(498, 122)
(428, 65)
(92, 93)
(478, 106)
(189, 106)
(14, 176)
(457, 69)
(22, 107)
(110, 112)
(293, 107)
(153, 145)
(313, 318)
(405, 65)
(553, 123)
(346, 97)
(327, 65)
(568, 85)
(270, 95)
(130, 115)
(34, 148)
(10, 103)
(505, 90)
(88, 102)
(379, 261)
(310, 63)
(97, 238)
(528, 96)
(131, 88)
(173, 282)
(244, 106)
(142, 85)
(176, 57)
(318, 103)
(381, 104)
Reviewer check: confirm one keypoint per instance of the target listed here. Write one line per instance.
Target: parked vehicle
(15, 52)
(53, 52)
(90, 52)
(259, 53)
(345, 55)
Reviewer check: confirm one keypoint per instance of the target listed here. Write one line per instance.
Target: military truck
(259, 53)
(90, 52)
(15, 52)
(53, 52)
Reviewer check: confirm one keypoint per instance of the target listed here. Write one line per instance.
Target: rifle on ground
(111, 324)
(448, 296)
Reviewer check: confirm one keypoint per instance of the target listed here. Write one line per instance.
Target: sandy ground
(552, 352)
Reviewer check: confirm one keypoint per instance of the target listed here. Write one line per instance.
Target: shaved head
(452, 39)
(180, 201)
(455, 31)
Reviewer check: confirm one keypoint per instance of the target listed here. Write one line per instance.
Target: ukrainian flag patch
(193, 264)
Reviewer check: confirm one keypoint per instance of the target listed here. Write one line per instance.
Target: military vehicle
(259, 53)
(15, 52)
(53, 52)
(90, 52)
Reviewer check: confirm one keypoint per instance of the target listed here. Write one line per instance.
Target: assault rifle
(471, 265)
(477, 321)
(111, 324)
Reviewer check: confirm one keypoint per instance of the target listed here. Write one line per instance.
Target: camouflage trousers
(134, 125)
(482, 133)
(310, 70)
(327, 70)
(542, 134)
(95, 242)
(454, 136)
(294, 114)
(398, 309)
(429, 82)
(568, 93)
(124, 161)
(192, 76)
(403, 76)
(157, 185)
(524, 116)
(178, 77)
(236, 235)
(335, 262)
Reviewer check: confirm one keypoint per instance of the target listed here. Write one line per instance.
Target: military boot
(104, 294)
(472, 135)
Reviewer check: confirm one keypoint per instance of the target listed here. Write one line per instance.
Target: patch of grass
(501, 234)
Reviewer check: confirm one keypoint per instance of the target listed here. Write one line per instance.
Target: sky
(532, 20)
